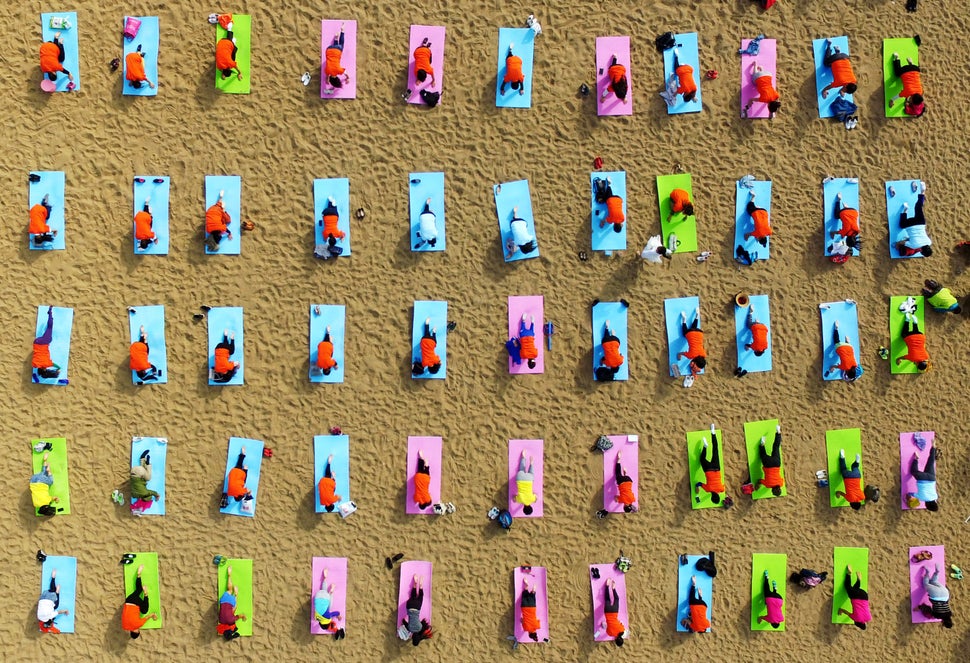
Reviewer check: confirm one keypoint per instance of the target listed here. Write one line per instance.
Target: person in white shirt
(427, 227)
(521, 240)
(47, 610)
(655, 251)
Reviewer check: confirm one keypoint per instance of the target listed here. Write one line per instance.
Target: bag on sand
(602, 443)
(665, 42)
(430, 98)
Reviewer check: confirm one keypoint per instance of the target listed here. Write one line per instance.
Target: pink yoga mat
(533, 448)
(527, 305)
(431, 447)
(337, 576)
(538, 575)
(436, 33)
(767, 59)
(599, 593)
(408, 571)
(629, 445)
(917, 594)
(330, 29)
(907, 484)
(606, 48)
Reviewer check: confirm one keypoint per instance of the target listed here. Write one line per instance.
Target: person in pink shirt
(858, 598)
(774, 604)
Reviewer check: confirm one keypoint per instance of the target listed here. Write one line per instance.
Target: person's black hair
(758, 353)
(49, 623)
(776, 491)
(851, 88)
(932, 505)
(424, 506)
(226, 73)
(516, 85)
(700, 362)
(773, 625)
(774, 106)
(135, 634)
(856, 505)
(329, 508)
(763, 241)
(619, 640)
(716, 498)
(49, 372)
(335, 81)
(927, 251)
(421, 75)
(947, 621)
(916, 99)
(326, 371)
(434, 369)
(628, 508)
(527, 509)
(534, 636)
(228, 635)
(528, 247)
(690, 96)
(861, 625)
(922, 365)
(47, 510)
(532, 363)
(689, 209)
(852, 373)
(617, 227)
(662, 250)
(417, 368)
(958, 309)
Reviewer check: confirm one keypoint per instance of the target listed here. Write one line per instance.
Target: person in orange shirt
(912, 90)
(695, 342)
(41, 360)
(680, 203)
(429, 360)
(136, 605)
(138, 358)
(144, 234)
(759, 334)
(624, 487)
(762, 222)
(530, 623)
(514, 76)
(618, 83)
(611, 614)
(685, 76)
(614, 207)
(422, 483)
(696, 621)
(767, 94)
(325, 361)
(52, 58)
(236, 483)
(329, 220)
(217, 222)
(915, 344)
(223, 370)
(327, 487)
(846, 354)
(226, 54)
(38, 228)
(527, 341)
(336, 75)
(612, 359)
(852, 482)
(135, 69)
(422, 63)
(714, 481)
(771, 465)
(849, 219)
(842, 74)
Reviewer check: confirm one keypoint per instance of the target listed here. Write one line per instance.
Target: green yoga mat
(897, 346)
(58, 464)
(906, 48)
(685, 229)
(694, 444)
(149, 578)
(849, 439)
(753, 431)
(858, 558)
(242, 31)
(777, 567)
(242, 579)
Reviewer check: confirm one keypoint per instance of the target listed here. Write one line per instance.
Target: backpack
(430, 98)
(665, 42)
(599, 189)
(504, 519)
(603, 443)
(742, 256)
(623, 564)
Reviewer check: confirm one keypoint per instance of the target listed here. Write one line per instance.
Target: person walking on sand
(767, 94)
(843, 77)
(336, 75)
(40, 490)
(912, 92)
(618, 83)
(696, 620)
(228, 616)
(940, 298)
(759, 334)
(217, 222)
(913, 239)
(771, 465)
(429, 359)
(418, 629)
(696, 352)
(422, 63)
(514, 75)
(925, 481)
(139, 477)
(322, 601)
(47, 604)
(774, 603)
(846, 354)
(852, 482)
(624, 486)
(939, 597)
(135, 69)
(525, 484)
(427, 227)
(327, 487)
(136, 605)
(223, 369)
(760, 219)
(711, 465)
(530, 622)
(858, 600)
(611, 624)
(915, 344)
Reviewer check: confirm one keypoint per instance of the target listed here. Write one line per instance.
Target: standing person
(759, 334)
(427, 227)
(849, 224)
(521, 240)
(422, 63)
(52, 58)
(774, 604)
(40, 490)
(612, 625)
(912, 91)
(915, 344)
(226, 50)
(530, 622)
(858, 599)
(429, 359)
(624, 486)
(217, 222)
(228, 616)
(327, 488)
(695, 342)
(422, 483)
(419, 628)
(41, 357)
(139, 477)
(136, 605)
(325, 362)
(767, 94)
(760, 219)
(614, 207)
(336, 75)
(940, 298)
(842, 74)
(223, 369)
(696, 620)
(851, 371)
(525, 485)
(514, 75)
(135, 69)
(714, 483)
(852, 482)
(38, 229)
(612, 359)
(47, 604)
(322, 600)
(138, 358)
(618, 83)
(912, 238)
(236, 481)
(685, 76)
(144, 234)
(771, 465)
(655, 251)
(925, 480)
(939, 596)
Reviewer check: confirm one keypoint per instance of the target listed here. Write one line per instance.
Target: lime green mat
(685, 229)
(695, 442)
(242, 579)
(858, 558)
(849, 439)
(906, 48)
(753, 432)
(242, 31)
(777, 568)
(897, 346)
(149, 579)
(58, 465)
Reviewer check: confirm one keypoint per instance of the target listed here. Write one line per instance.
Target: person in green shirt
(940, 298)
(141, 474)
(524, 482)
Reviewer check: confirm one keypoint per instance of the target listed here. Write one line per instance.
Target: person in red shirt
(685, 76)
(759, 334)
(849, 219)
(761, 220)
(530, 623)
(41, 357)
(226, 54)
(854, 494)
(680, 203)
(915, 344)
(422, 483)
(144, 234)
(136, 605)
(513, 73)
(618, 83)
(138, 358)
(624, 487)
(422, 63)
(429, 360)
(236, 481)
(223, 369)
(614, 207)
(327, 487)
(612, 359)
(325, 361)
(135, 69)
(714, 481)
(52, 58)
(336, 75)
(527, 341)
(842, 74)
(771, 465)
(912, 90)
(611, 613)
(767, 94)
(695, 342)
(217, 222)
(38, 228)
(846, 354)
(329, 220)
(696, 621)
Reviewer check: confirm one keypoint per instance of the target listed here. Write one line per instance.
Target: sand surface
(282, 136)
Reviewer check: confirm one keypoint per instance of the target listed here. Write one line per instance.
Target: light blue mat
(71, 60)
(153, 318)
(339, 446)
(421, 187)
(147, 38)
(616, 313)
(438, 312)
(158, 193)
(523, 45)
(605, 238)
(688, 54)
(746, 358)
(219, 320)
(254, 461)
(339, 188)
(232, 202)
(332, 315)
(158, 453)
(509, 195)
(676, 343)
(52, 184)
(742, 220)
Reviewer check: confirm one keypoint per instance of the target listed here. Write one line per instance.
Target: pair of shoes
(390, 561)
(41, 556)
(127, 558)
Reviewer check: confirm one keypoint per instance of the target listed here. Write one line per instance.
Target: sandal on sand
(922, 556)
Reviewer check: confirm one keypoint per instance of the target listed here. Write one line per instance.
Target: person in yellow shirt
(40, 490)
(524, 483)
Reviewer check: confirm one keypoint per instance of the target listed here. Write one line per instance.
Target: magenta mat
(538, 577)
(435, 33)
(410, 569)
(598, 587)
(431, 448)
(606, 48)
(907, 447)
(767, 59)
(336, 568)
(329, 30)
(917, 594)
(529, 306)
(629, 447)
(531, 448)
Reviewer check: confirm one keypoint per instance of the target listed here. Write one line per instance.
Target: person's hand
(154, 616)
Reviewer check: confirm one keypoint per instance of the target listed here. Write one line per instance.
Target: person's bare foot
(53, 574)
(140, 569)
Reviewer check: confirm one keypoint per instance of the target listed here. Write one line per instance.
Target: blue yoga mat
(153, 318)
(147, 38)
(339, 446)
(219, 320)
(705, 584)
(676, 343)
(158, 453)
(60, 347)
(606, 239)
(823, 75)
(688, 54)
(894, 207)
(742, 220)
(616, 313)
(850, 198)
(254, 460)
(438, 312)
(746, 358)
(71, 60)
(52, 184)
(334, 316)
(421, 187)
(523, 45)
(509, 195)
(66, 568)
(339, 188)
(848, 316)
(158, 193)
(232, 185)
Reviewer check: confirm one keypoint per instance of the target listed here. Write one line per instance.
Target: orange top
(422, 488)
(911, 84)
(625, 493)
(328, 490)
(698, 618)
(49, 58)
(850, 222)
(916, 346)
(131, 619)
(846, 357)
(530, 624)
(715, 484)
(224, 55)
(611, 354)
(527, 347)
(135, 67)
(766, 92)
(139, 357)
(428, 356)
(222, 363)
(143, 226)
(42, 356)
(325, 355)
(759, 337)
(772, 478)
(762, 224)
(685, 73)
(513, 70)
(678, 200)
(613, 625)
(330, 222)
(614, 210)
(695, 345)
(332, 66)
(422, 60)
(217, 218)
(842, 72)
(237, 483)
(38, 220)
(853, 490)
(616, 73)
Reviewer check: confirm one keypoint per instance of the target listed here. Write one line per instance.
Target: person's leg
(715, 455)
(766, 586)
(611, 603)
(232, 346)
(897, 69)
(676, 60)
(423, 467)
(326, 336)
(619, 475)
(835, 336)
(696, 324)
(147, 469)
(608, 336)
(774, 459)
(60, 50)
(906, 221)
(327, 472)
(340, 41)
(843, 468)
(613, 61)
(428, 333)
(240, 460)
(684, 328)
(427, 208)
(920, 219)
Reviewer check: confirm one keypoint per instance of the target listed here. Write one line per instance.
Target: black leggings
(774, 458)
(57, 596)
(611, 606)
(607, 336)
(694, 326)
(917, 219)
(227, 344)
(910, 327)
(899, 68)
(428, 333)
(752, 208)
(619, 476)
(694, 598)
(415, 600)
(423, 467)
(226, 73)
(327, 473)
(855, 591)
(60, 58)
(138, 597)
(929, 472)
(836, 338)
(528, 599)
(714, 464)
(768, 591)
(831, 55)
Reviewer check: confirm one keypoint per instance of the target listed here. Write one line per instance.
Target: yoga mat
(676, 342)
(409, 569)
(508, 196)
(158, 453)
(532, 448)
(242, 578)
(907, 48)
(71, 62)
(897, 346)
(437, 312)
(153, 319)
(695, 442)
(747, 358)
(232, 202)
(241, 30)
(606, 48)
(57, 460)
(60, 347)
(332, 315)
(538, 577)
(743, 222)
(917, 595)
(339, 188)
(907, 447)
(523, 45)
(147, 38)
(597, 588)
(336, 568)
(849, 188)
(858, 558)
(767, 59)
(428, 185)
(150, 582)
(848, 317)
(221, 319)
(705, 584)
(529, 305)
(254, 460)
(688, 54)
(894, 208)
(605, 238)
(629, 448)
(66, 568)
(158, 193)
(777, 567)
(348, 60)
(617, 314)
(849, 439)
(52, 184)
(339, 446)
(435, 33)
(684, 228)
(823, 74)
(431, 448)
(753, 431)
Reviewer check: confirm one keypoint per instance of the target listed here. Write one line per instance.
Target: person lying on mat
(912, 90)
(521, 239)
(696, 620)
(52, 58)
(767, 94)
(514, 75)
(422, 483)
(759, 334)
(612, 359)
(228, 616)
(771, 465)
(139, 477)
(327, 487)
(138, 358)
(38, 229)
(915, 344)
(614, 206)
(419, 629)
(527, 341)
(618, 83)
(846, 353)
(525, 484)
(684, 73)
(612, 625)
(136, 605)
(429, 359)
(680, 203)
(774, 603)
(41, 360)
(760, 219)
(336, 76)
(422, 63)
(144, 234)
(925, 482)
(695, 342)
(940, 298)
(47, 604)
(325, 362)
(223, 370)
(217, 222)
(226, 52)
(849, 223)
(329, 220)
(427, 227)
(858, 599)
(939, 597)
(912, 239)
(714, 480)
(236, 481)
(40, 490)
(852, 482)
(322, 600)
(624, 487)
(842, 74)
(530, 622)
(135, 69)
